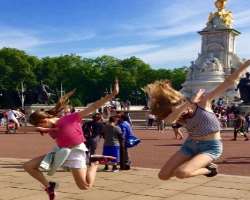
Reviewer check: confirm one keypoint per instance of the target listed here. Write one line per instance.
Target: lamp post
(61, 90)
(1, 94)
(22, 95)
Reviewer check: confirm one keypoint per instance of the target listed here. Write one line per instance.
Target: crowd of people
(114, 131)
(230, 116)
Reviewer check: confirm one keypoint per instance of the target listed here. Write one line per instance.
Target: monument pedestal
(207, 81)
(33, 107)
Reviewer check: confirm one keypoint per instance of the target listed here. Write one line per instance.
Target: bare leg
(32, 167)
(91, 174)
(194, 167)
(178, 134)
(85, 178)
(168, 169)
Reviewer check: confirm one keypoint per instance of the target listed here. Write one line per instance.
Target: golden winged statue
(220, 4)
(225, 15)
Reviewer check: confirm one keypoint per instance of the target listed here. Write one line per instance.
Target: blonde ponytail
(162, 97)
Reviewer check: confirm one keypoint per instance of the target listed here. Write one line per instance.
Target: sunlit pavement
(136, 184)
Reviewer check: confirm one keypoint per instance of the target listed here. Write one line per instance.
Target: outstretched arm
(229, 81)
(179, 110)
(97, 104)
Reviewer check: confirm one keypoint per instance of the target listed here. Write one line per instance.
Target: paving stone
(195, 197)
(97, 195)
(228, 185)
(137, 197)
(177, 185)
(157, 192)
(218, 192)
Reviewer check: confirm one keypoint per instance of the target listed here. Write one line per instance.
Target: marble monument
(218, 56)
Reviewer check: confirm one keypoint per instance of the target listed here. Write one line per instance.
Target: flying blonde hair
(37, 116)
(162, 97)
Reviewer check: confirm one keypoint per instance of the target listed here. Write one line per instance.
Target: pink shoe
(101, 159)
(51, 190)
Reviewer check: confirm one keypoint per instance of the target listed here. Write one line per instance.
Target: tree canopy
(92, 77)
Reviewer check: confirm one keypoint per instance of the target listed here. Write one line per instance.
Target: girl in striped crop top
(203, 144)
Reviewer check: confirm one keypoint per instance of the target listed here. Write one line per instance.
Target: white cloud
(179, 18)
(28, 39)
(155, 55)
(242, 19)
(120, 51)
(71, 37)
(185, 11)
(10, 37)
(243, 45)
(180, 53)
(177, 30)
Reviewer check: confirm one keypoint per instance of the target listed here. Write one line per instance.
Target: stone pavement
(136, 184)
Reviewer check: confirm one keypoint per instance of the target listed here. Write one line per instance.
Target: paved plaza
(140, 183)
(136, 184)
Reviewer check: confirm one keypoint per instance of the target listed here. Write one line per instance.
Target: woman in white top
(13, 116)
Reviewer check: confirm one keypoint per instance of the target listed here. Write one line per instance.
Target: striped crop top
(202, 123)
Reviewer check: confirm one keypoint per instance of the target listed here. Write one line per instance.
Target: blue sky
(163, 33)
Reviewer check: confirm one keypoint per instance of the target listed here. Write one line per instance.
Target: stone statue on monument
(244, 88)
(191, 71)
(211, 64)
(44, 93)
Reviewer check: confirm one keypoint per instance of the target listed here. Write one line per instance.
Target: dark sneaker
(213, 170)
(106, 168)
(126, 167)
(101, 159)
(51, 190)
(115, 168)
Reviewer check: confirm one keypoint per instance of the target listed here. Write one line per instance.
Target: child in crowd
(113, 139)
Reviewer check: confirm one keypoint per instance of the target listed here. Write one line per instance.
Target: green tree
(92, 77)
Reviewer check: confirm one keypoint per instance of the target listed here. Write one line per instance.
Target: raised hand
(247, 62)
(196, 98)
(65, 97)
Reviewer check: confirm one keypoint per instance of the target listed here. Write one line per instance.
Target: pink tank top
(68, 131)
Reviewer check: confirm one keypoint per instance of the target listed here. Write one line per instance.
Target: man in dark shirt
(239, 126)
(92, 131)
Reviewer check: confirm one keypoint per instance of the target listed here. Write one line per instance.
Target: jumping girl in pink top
(67, 132)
